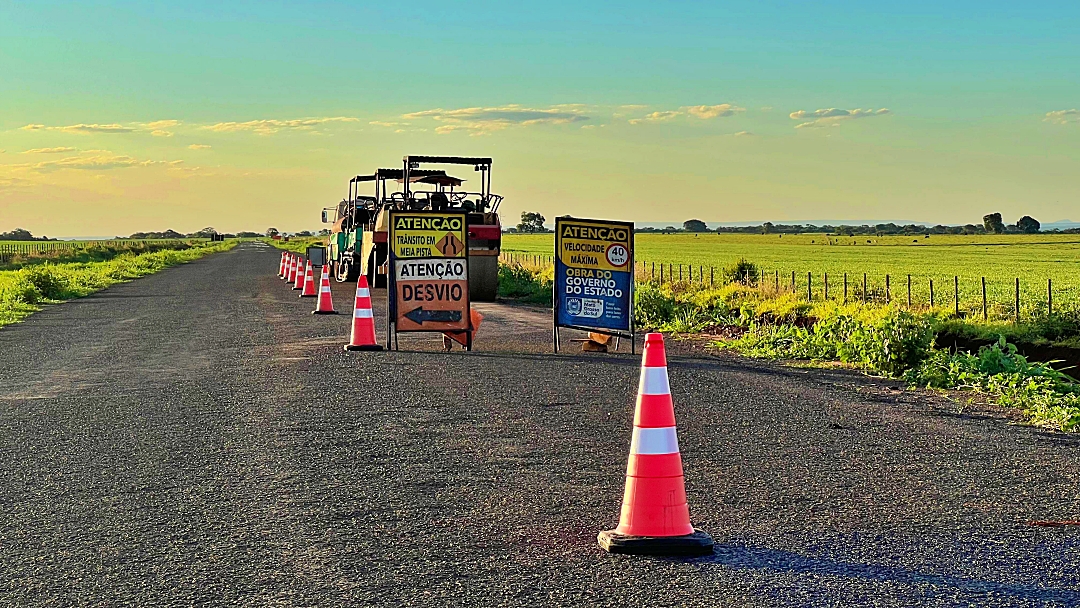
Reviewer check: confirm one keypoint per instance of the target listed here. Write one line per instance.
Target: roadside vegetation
(887, 340)
(297, 244)
(31, 282)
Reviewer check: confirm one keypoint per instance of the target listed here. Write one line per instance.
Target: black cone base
(324, 312)
(363, 347)
(698, 543)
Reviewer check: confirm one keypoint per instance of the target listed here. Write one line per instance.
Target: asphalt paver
(197, 437)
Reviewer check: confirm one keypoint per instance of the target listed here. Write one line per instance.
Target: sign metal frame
(631, 333)
(392, 271)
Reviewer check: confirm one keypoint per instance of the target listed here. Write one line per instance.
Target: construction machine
(358, 239)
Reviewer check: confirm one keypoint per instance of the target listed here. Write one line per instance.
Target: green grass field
(999, 258)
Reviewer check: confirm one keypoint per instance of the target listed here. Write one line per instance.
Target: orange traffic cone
(309, 282)
(298, 280)
(363, 323)
(655, 518)
(290, 266)
(325, 304)
(281, 266)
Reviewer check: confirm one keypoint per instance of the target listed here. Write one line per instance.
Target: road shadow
(740, 557)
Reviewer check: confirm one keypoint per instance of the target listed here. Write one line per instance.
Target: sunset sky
(118, 117)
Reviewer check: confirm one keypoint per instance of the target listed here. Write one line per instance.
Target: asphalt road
(198, 438)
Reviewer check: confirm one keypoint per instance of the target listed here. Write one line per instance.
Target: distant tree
(768, 228)
(695, 226)
(205, 233)
(531, 222)
(303, 233)
(247, 234)
(324, 232)
(992, 223)
(1028, 225)
(272, 232)
(17, 234)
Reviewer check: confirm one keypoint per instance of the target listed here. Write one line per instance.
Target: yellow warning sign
(594, 244)
(427, 235)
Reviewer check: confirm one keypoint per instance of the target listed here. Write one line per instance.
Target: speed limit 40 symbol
(617, 254)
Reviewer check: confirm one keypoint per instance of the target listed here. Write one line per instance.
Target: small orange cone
(309, 282)
(363, 323)
(655, 518)
(462, 337)
(281, 266)
(290, 269)
(325, 304)
(298, 280)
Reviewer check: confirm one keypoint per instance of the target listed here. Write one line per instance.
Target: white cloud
(270, 126)
(744, 134)
(831, 117)
(162, 124)
(58, 150)
(199, 147)
(100, 161)
(658, 116)
(82, 129)
(720, 110)
(161, 133)
(480, 121)
(1063, 117)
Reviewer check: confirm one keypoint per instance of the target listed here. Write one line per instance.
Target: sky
(118, 117)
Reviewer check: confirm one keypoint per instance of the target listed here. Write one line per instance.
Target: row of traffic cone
(655, 517)
(292, 269)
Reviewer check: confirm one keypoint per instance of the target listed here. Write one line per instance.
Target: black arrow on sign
(419, 316)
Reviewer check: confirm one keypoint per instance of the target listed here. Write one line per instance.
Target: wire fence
(990, 298)
(10, 250)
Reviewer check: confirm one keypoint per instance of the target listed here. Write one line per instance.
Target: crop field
(1041, 262)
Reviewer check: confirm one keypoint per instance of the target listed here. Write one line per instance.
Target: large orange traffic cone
(325, 304)
(281, 266)
(298, 280)
(655, 518)
(363, 323)
(290, 267)
(309, 282)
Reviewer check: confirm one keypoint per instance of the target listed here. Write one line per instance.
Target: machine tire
(483, 278)
(346, 270)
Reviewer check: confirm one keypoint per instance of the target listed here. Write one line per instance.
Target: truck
(361, 222)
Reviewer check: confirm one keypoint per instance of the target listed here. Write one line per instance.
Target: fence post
(909, 291)
(931, 293)
(864, 288)
(661, 274)
(1017, 299)
(809, 288)
(792, 281)
(1049, 297)
(888, 290)
(825, 283)
(845, 288)
(777, 281)
(956, 293)
(984, 297)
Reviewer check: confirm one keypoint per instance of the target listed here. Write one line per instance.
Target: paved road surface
(196, 437)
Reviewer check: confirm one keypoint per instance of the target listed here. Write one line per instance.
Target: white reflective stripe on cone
(362, 313)
(654, 381)
(363, 292)
(325, 289)
(654, 441)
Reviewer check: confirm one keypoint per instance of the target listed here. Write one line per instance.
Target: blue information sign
(594, 275)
